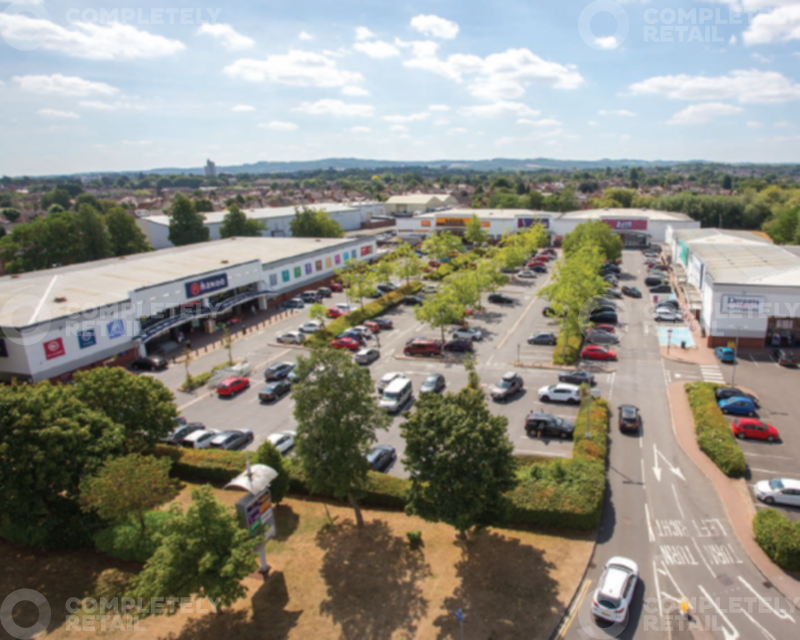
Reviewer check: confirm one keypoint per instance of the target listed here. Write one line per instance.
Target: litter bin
(683, 344)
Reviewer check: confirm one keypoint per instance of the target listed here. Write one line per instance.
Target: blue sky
(173, 83)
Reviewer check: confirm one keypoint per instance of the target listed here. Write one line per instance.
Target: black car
(177, 436)
(662, 288)
(544, 424)
(500, 298)
(274, 391)
(150, 363)
(576, 377)
(510, 384)
(434, 383)
(549, 312)
(380, 458)
(543, 337)
(413, 300)
(629, 419)
(633, 292)
(383, 323)
(604, 317)
(610, 266)
(654, 281)
(601, 337)
(459, 345)
(538, 268)
(278, 371)
(605, 307)
(324, 292)
(722, 393)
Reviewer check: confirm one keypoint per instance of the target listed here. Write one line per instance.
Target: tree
(595, 233)
(357, 281)
(91, 200)
(186, 226)
(464, 288)
(440, 310)
(203, 205)
(318, 312)
(384, 271)
(142, 405)
(474, 232)
(269, 455)
(237, 224)
(314, 223)
(11, 214)
(128, 487)
(409, 264)
(337, 416)
(204, 552)
(56, 196)
(126, 238)
(95, 242)
(535, 200)
(459, 458)
(489, 278)
(442, 245)
(727, 182)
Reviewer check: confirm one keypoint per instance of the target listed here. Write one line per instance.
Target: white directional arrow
(657, 469)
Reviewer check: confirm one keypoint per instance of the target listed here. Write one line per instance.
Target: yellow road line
(575, 609)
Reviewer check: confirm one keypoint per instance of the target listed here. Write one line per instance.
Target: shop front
(632, 232)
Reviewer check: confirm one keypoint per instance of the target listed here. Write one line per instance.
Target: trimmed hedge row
(712, 430)
(570, 354)
(779, 538)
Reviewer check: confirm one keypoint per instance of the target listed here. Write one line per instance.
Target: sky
(85, 87)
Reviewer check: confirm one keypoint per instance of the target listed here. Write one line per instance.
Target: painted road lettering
(679, 555)
(711, 528)
(671, 529)
(721, 554)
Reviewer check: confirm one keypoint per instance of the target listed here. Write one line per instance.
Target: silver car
(468, 333)
(366, 356)
(779, 491)
(664, 314)
(290, 337)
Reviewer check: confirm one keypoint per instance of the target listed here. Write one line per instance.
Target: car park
(576, 377)
(500, 298)
(779, 491)
(283, 441)
(423, 347)
(545, 424)
(177, 436)
(561, 392)
(721, 393)
(784, 357)
(346, 343)
(381, 457)
(754, 429)
(614, 594)
(629, 419)
(229, 387)
(510, 384)
(661, 288)
(150, 363)
(311, 326)
(290, 337)
(278, 371)
(632, 292)
(367, 356)
(737, 405)
(412, 301)
(459, 345)
(232, 440)
(395, 396)
(595, 352)
(468, 333)
(434, 383)
(199, 439)
(665, 314)
(274, 391)
(387, 379)
(725, 354)
(543, 338)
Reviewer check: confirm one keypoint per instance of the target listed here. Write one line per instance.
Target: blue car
(725, 354)
(738, 406)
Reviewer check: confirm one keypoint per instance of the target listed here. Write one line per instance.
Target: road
(664, 514)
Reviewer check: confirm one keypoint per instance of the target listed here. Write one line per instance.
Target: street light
(593, 393)
(735, 354)
(669, 339)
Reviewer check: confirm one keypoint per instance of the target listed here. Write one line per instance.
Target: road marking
(734, 632)
(650, 534)
(658, 591)
(766, 633)
(611, 382)
(657, 470)
(754, 361)
(515, 326)
(711, 373)
(576, 607)
(767, 455)
(783, 615)
(678, 554)
(763, 470)
(677, 500)
(641, 446)
(697, 546)
(642, 461)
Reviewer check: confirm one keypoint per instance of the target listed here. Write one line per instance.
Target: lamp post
(593, 393)
(735, 354)
(669, 339)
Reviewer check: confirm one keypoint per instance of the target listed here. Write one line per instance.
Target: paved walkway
(733, 493)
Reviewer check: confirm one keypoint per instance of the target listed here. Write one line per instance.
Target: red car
(346, 343)
(373, 326)
(336, 286)
(754, 428)
(231, 386)
(335, 312)
(593, 352)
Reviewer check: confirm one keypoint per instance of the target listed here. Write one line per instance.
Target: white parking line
(763, 470)
(754, 361)
(767, 455)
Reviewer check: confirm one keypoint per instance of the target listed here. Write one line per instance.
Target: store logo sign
(116, 329)
(742, 304)
(87, 338)
(201, 287)
(54, 349)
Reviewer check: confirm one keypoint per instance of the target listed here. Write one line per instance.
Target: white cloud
(592, 123)
(243, 107)
(398, 128)
(781, 24)
(438, 107)
(616, 112)
(304, 35)
(360, 130)
(733, 40)
(55, 113)
(377, 49)
(336, 108)
(435, 26)
(277, 125)
(702, 113)
(61, 85)
(228, 37)
(762, 58)
(137, 142)
(753, 124)
(108, 106)
(112, 41)
(607, 42)
(297, 68)
(457, 131)
(362, 33)
(441, 121)
(501, 108)
(413, 117)
(354, 91)
(544, 122)
(751, 86)
(419, 48)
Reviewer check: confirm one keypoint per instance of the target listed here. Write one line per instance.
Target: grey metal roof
(265, 213)
(749, 263)
(649, 214)
(719, 236)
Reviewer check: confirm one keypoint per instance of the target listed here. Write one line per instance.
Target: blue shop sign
(201, 287)
(87, 338)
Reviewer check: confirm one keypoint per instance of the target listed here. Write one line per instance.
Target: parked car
(509, 270)
(231, 386)
(344, 306)
(632, 292)
(661, 288)
(601, 337)
(721, 393)
(309, 297)
(353, 335)
(434, 383)
(364, 331)
(784, 357)
(629, 419)
(381, 457)
(610, 266)
(543, 337)
(177, 436)
(550, 312)
(413, 301)
(725, 354)
(459, 345)
(544, 424)
(429, 288)
(150, 363)
(199, 439)
(346, 343)
(294, 303)
(737, 405)
(423, 347)
(614, 594)
(274, 391)
(468, 333)
(396, 395)
(310, 326)
(537, 268)
(611, 279)
(383, 323)
(755, 429)
(290, 337)
(324, 292)
(527, 273)
(283, 441)
(500, 298)
(232, 440)
(278, 371)
(672, 303)
(654, 281)
(561, 392)
(367, 356)
(614, 293)
(603, 317)
(509, 385)
(578, 377)
(373, 326)
(666, 314)
(594, 352)
(336, 287)
(779, 491)
(336, 312)
(608, 328)
(387, 379)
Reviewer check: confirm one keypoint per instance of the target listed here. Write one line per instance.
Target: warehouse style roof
(694, 237)
(264, 213)
(749, 263)
(650, 214)
(497, 214)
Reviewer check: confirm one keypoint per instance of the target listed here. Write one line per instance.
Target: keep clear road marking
(729, 635)
(783, 615)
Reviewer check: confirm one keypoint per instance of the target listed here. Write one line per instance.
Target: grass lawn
(331, 580)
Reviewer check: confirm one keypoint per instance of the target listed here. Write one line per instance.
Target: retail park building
(56, 321)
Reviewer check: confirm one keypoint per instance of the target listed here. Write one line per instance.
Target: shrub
(211, 465)
(195, 382)
(712, 430)
(125, 541)
(414, 538)
(269, 455)
(573, 347)
(778, 537)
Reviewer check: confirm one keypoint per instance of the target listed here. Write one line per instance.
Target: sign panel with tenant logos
(197, 288)
(627, 225)
(744, 304)
(257, 514)
(527, 222)
(54, 348)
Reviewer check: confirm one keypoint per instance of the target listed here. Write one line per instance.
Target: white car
(364, 331)
(526, 273)
(429, 288)
(199, 439)
(561, 392)
(665, 314)
(468, 333)
(283, 441)
(290, 337)
(614, 593)
(347, 308)
(311, 326)
(778, 491)
(387, 379)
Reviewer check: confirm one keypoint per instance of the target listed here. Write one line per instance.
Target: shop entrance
(782, 332)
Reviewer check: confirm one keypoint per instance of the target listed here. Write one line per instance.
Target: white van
(199, 439)
(396, 395)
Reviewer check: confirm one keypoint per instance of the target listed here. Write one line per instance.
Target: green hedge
(712, 430)
(211, 465)
(778, 537)
(570, 354)
(124, 541)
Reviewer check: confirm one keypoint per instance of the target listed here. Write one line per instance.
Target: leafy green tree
(489, 277)
(534, 200)
(440, 310)
(384, 271)
(442, 244)
(314, 223)
(186, 226)
(142, 405)
(126, 238)
(43, 243)
(459, 458)
(56, 196)
(783, 229)
(55, 208)
(204, 552)
(463, 287)
(87, 198)
(237, 224)
(409, 264)
(474, 232)
(269, 455)
(318, 312)
(337, 416)
(11, 214)
(595, 233)
(128, 487)
(727, 182)
(95, 242)
(502, 199)
(614, 198)
(203, 205)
